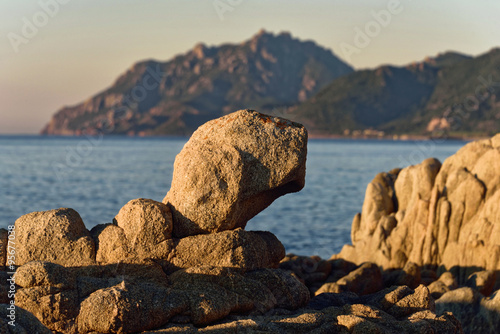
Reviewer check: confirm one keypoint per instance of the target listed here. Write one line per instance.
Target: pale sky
(79, 47)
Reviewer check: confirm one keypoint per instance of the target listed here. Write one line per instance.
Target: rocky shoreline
(425, 256)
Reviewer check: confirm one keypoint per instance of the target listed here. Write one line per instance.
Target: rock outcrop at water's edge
(434, 215)
(445, 221)
(164, 268)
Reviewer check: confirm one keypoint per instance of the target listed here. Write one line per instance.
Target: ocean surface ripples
(97, 176)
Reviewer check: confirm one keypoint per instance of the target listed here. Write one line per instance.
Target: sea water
(96, 176)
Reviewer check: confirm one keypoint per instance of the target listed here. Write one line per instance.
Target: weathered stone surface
(310, 270)
(476, 313)
(214, 292)
(111, 242)
(57, 236)
(234, 167)
(38, 273)
(483, 281)
(3, 246)
(366, 279)
(289, 292)
(24, 321)
(418, 301)
(437, 289)
(433, 215)
(349, 317)
(147, 226)
(127, 308)
(409, 276)
(398, 301)
(54, 307)
(239, 248)
(229, 290)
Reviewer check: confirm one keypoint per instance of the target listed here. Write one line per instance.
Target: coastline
(187, 264)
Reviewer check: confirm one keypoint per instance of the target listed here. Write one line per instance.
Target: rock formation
(165, 268)
(444, 222)
(175, 97)
(434, 216)
(234, 167)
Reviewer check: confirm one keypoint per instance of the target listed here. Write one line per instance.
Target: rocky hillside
(177, 96)
(450, 93)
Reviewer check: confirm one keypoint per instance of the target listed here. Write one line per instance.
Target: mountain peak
(262, 32)
(200, 50)
(175, 97)
(446, 58)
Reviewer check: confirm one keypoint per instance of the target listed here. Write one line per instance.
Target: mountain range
(278, 74)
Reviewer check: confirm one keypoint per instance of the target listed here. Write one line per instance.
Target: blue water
(97, 176)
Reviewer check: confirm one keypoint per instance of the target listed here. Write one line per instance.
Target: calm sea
(97, 176)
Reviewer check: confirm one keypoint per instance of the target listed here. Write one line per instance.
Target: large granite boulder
(433, 215)
(57, 236)
(234, 167)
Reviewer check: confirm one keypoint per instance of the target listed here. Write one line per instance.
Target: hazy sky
(79, 47)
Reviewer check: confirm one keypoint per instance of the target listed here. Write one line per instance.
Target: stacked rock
(186, 260)
(187, 265)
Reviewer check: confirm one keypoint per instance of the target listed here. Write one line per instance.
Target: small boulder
(437, 289)
(418, 301)
(147, 225)
(57, 236)
(234, 167)
(465, 304)
(311, 270)
(111, 243)
(38, 273)
(409, 276)
(128, 308)
(54, 307)
(289, 292)
(366, 279)
(483, 281)
(25, 322)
